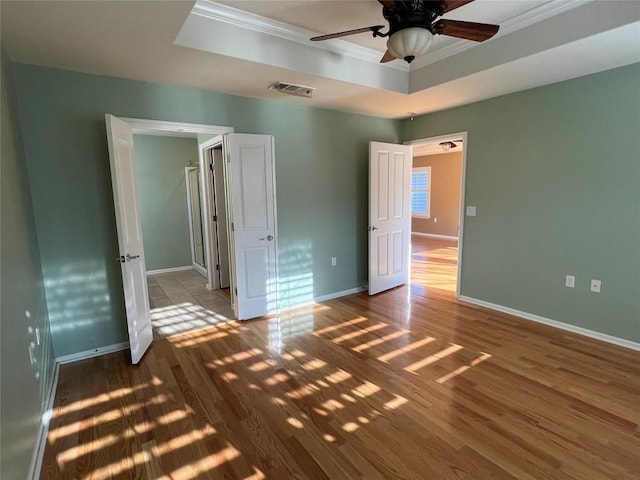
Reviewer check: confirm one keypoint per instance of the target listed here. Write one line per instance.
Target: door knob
(371, 229)
(132, 257)
(269, 238)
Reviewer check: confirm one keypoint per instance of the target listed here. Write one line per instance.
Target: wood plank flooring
(407, 384)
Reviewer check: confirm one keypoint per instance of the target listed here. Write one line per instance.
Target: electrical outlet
(435, 219)
(570, 281)
(334, 261)
(471, 211)
(596, 285)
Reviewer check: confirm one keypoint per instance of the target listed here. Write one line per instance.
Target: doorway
(215, 225)
(438, 180)
(172, 209)
(249, 172)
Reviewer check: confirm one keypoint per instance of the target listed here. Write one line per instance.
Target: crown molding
(535, 15)
(251, 21)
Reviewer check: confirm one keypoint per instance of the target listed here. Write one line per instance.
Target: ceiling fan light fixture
(410, 43)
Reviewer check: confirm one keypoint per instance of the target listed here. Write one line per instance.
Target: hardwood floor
(407, 384)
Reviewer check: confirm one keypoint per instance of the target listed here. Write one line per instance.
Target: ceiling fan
(412, 25)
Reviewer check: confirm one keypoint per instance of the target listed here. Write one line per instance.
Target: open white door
(134, 278)
(252, 217)
(389, 215)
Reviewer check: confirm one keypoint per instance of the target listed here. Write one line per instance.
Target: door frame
(463, 181)
(206, 186)
(141, 126)
(181, 129)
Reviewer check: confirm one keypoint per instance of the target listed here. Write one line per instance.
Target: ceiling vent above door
(292, 89)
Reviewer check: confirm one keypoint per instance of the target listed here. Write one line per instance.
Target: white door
(134, 278)
(252, 217)
(389, 215)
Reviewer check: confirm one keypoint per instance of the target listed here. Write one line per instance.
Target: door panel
(251, 177)
(134, 277)
(389, 215)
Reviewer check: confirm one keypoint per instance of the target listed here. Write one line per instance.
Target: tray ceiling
(241, 47)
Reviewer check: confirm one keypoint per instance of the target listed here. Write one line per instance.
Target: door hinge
(215, 218)
(218, 267)
(228, 157)
(233, 228)
(236, 291)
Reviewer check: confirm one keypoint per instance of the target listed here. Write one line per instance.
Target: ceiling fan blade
(448, 5)
(373, 28)
(387, 57)
(478, 32)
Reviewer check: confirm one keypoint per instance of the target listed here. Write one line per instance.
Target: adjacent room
(320, 240)
(168, 178)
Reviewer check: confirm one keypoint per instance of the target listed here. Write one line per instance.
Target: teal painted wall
(162, 194)
(555, 175)
(321, 176)
(23, 386)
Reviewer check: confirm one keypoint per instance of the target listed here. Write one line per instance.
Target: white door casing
(251, 210)
(206, 156)
(134, 278)
(220, 200)
(389, 215)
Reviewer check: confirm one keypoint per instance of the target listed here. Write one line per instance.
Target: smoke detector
(292, 89)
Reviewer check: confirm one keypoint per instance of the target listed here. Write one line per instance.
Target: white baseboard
(43, 432)
(38, 453)
(201, 270)
(94, 352)
(622, 342)
(324, 298)
(169, 270)
(434, 235)
(343, 293)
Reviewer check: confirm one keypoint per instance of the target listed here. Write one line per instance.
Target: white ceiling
(241, 47)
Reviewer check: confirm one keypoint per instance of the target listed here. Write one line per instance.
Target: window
(421, 192)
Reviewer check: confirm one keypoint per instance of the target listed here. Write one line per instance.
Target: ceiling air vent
(292, 89)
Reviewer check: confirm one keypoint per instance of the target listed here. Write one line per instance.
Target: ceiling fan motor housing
(410, 33)
(410, 13)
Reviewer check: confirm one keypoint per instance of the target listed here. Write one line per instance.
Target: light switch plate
(471, 211)
(570, 281)
(596, 285)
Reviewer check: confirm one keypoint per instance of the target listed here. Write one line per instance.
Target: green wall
(321, 176)
(162, 194)
(555, 175)
(553, 171)
(23, 386)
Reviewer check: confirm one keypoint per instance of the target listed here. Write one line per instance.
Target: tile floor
(180, 302)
